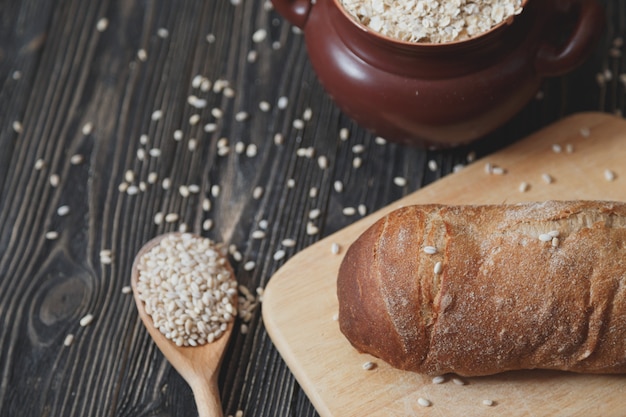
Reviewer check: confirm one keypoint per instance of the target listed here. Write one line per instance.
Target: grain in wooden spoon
(186, 293)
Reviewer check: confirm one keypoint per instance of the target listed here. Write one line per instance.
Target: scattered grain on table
(322, 161)
(609, 175)
(298, 124)
(86, 320)
(142, 55)
(379, 140)
(69, 339)
(207, 224)
(171, 217)
(247, 303)
(279, 139)
(265, 106)
(369, 366)
(77, 159)
(132, 190)
(458, 381)
(102, 24)
(252, 56)
(40, 164)
(496, 170)
(87, 128)
(282, 102)
(259, 36)
(63, 210)
(349, 211)
(585, 132)
(423, 402)
(194, 119)
(523, 187)
(251, 150)
(258, 234)
(54, 180)
(311, 229)
(400, 181)
(547, 178)
(163, 33)
(106, 256)
(288, 243)
(439, 379)
(228, 92)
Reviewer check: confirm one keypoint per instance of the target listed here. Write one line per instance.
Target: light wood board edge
(518, 160)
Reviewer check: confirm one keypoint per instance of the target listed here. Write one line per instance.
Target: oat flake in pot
(440, 95)
(432, 21)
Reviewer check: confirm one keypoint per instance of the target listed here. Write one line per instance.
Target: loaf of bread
(478, 290)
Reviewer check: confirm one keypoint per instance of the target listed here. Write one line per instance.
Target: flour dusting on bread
(497, 294)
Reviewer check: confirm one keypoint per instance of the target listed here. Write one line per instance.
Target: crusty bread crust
(532, 285)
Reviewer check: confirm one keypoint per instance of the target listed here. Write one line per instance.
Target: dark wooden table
(96, 121)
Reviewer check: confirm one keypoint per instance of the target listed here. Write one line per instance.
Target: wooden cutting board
(300, 304)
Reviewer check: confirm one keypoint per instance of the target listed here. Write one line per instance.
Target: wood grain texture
(59, 73)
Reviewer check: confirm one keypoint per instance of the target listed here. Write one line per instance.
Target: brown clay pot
(443, 95)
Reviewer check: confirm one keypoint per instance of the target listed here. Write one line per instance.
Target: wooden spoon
(198, 365)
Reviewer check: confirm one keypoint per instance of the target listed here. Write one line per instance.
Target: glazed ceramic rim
(508, 21)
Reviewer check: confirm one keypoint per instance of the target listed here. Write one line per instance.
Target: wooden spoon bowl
(198, 365)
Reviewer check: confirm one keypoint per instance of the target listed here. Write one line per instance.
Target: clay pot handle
(295, 11)
(553, 61)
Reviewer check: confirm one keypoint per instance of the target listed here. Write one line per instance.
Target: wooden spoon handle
(207, 397)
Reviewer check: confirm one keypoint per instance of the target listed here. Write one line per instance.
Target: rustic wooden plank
(71, 75)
